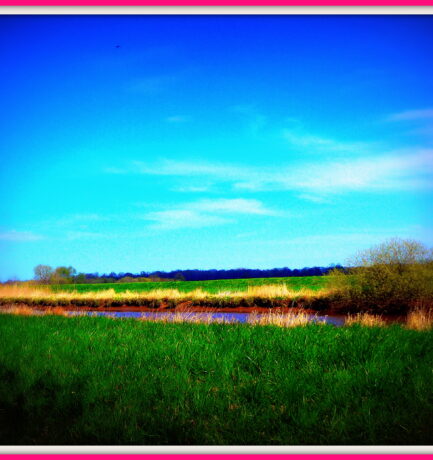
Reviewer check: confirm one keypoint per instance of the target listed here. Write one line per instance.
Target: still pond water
(230, 317)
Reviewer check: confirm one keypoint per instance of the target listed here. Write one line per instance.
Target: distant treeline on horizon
(204, 275)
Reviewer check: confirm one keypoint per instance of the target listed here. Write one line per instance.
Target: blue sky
(212, 141)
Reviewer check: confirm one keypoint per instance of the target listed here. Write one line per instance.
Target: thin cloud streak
(151, 85)
(255, 121)
(410, 115)
(362, 238)
(80, 218)
(192, 189)
(314, 198)
(205, 213)
(320, 144)
(177, 119)
(370, 174)
(14, 235)
(79, 235)
(393, 171)
(236, 206)
(183, 218)
(168, 167)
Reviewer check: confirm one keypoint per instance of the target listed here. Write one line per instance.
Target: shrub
(391, 277)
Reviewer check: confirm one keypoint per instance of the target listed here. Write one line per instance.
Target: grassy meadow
(310, 292)
(87, 380)
(186, 378)
(294, 283)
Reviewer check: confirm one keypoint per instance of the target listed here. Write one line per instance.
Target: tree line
(45, 274)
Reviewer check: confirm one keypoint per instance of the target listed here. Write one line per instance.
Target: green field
(90, 380)
(214, 286)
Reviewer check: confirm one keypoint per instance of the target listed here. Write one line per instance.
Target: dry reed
(185, 317)
(25, 310)
(420, 320)
(281, 319)
(365, 319)
(22, 310)
(22, 293)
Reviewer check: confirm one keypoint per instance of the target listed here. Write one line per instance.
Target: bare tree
(43, 273)
(396, 253)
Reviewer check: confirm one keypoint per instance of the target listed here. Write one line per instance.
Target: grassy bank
(336, 293)
(266, 296)
(210, 287)
(99, 381)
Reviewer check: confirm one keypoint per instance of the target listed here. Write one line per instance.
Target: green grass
(214, 286)
(99, 381)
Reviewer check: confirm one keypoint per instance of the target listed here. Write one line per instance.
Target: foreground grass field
(99, 381)
(211, 287)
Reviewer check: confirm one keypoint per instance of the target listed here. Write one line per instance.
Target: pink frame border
(216, 3)
(266, 3)
(214, 456)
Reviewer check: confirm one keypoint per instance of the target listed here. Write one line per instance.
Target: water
(230, 317)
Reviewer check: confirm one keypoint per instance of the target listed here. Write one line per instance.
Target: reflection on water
(217, 316)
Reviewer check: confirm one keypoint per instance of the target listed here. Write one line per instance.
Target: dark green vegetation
(45, 274)
(214, 286)
(393, 277)
(100, 381)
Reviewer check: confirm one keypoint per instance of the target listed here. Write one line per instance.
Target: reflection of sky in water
(232, 317)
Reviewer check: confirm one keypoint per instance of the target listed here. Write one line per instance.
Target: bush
(392, 277)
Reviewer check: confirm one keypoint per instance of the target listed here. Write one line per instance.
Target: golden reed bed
(262, 319)
(22, 292)
(417, 320)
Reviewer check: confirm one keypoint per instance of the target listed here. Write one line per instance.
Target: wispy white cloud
(233, 206)
(314, 143)
(362, 238)
(183, 218)
(192, 188)
(425, 130)
(254, 120)
(79, 218)
(416, 122)
(361, 174)
(151, 84)
(205, 213)
(403, 171)
(80, 235)
(114, 170)
(75, 226)
(14, 235)
(398, 170)
(315, 198)
(178, 119)
(73, 222)
(409, 115)
(246, 235)
(168, 167)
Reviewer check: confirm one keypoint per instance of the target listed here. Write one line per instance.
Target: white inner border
(221, 10)
(250, 450)
(224, 10)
